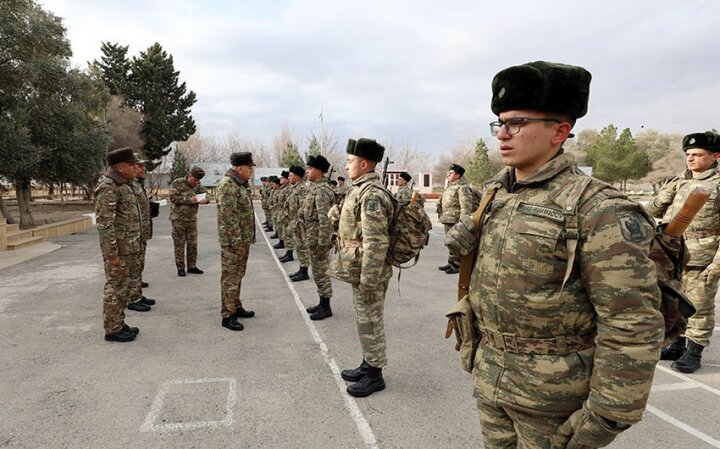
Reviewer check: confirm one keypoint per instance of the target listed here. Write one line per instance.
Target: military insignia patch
(631, 228)
(541, 211)
(372, 205)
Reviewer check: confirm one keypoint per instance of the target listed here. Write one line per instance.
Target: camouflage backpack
(409, 230)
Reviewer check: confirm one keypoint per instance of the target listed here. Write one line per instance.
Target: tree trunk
(62, 196)
(51, 190)
(6, 212)
(22, 193)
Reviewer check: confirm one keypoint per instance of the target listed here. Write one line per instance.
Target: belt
(559, 345)
(701, 234)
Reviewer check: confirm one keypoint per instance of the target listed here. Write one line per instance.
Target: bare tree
(199, 148)
(235, 142)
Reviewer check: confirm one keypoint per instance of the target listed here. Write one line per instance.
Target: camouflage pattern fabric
(456, 200)
(342, 192)
(318, 232)
(453, 255)
(509, 428)
(183, 215)
(265, 202)
(282, 217)
(361, 261)
(295, 203)
(404, 194)
(119, 226)
(138, 268)
(185, 236)
(236, 231)
(703, 241)
(515, 291)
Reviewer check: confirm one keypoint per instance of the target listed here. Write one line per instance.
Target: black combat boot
(131, 329)
(122, 336)
(139, 306)
(242, 313)
(147, 301)
(369, 384)
(232, 323)
(312, 309)
(452, 270)
(181, 272)
(355, 374)
(144, 284)
(268, 228)
(674, 350)
(323, 311)
(279, 245)
(300, 275)
(444, 267)
(274, 236)
(195, 270)
(288, 257)
(690, 361)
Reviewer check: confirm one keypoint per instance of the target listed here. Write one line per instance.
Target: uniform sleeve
(324, 201)
(663, 200)
(180, 197)
(105, 207)
(228, 215)
(375, 219)
(622, 285)
(466, 198)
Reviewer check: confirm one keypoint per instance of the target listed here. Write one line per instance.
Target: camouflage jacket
(295, 200)
(181, 207)
(363, 238)
(235, 215)
(318, 202)
(118, 215)
(281, 204)
(610, 302)
(144, 202)
(342, 192)
(404, 194)
(265, 196)
(703, 235)
(456, 200)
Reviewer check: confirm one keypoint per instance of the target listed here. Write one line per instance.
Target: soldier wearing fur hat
(700, 278)
(295, 199)
(183, 216)
(363, 242)
(236, 232)
(562, 291)
(404, 193)
(280, 211)
(120, 228)
(318, 232)
(456, 201)
(264, 201)
(139, 302)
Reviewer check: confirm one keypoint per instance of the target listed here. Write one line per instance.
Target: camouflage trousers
(117, 292)
(505, 428)
(287, 236)
(368, 308)
(319, 268)
(136, 276)
(184, 234)
(453, 256)
(301, 249)
(268, 214)
(234, 263)
(700, 326)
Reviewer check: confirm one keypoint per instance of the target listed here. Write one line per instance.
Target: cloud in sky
(413, 72)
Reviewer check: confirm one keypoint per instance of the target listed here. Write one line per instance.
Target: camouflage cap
(542, 86)
(459, 169)
(705, 141)
(406, 176)
(366, 148)
(120, 155)
(197, 173)
(319, 162)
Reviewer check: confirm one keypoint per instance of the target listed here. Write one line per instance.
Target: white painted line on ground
(150, 426)
(688, 379)
(351, 406)
(685, 427)
(675, 386)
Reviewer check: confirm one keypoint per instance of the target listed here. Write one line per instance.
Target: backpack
(409, 229)
(669, 254)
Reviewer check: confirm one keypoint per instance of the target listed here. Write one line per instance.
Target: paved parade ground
(187, 382)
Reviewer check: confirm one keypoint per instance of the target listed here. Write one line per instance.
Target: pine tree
(290, 156)
(179, 167)
(479, 168)
(114, 67)
(313, 147)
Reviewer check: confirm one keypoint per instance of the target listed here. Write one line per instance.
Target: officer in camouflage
(564, 295)
(318, 231)
(139, 302)
(236, 232)
(272, 200)
(183, 217)
(264, 201)
(456, 201)
(298, 190)
(363, 242)
(404, 193)
(120, 229)
(280, 212)
(700, 278)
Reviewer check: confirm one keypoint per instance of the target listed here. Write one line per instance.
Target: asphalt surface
(186, 382)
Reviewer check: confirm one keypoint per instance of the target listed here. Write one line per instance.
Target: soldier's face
(453, 176)
(313, 174)
(244, 172)
(283, 181)
(356, 166)
(193, 181)
(699, 160)
(534, 144)
(140, 170)
(401, 182)
(294, 179)
(125, 170)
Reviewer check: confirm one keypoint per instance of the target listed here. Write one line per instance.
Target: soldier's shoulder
(178, 181)
(104, 184)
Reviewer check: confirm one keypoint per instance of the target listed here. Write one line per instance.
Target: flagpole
(322, 131)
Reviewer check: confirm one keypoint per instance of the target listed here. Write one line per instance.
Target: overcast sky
(413, 72)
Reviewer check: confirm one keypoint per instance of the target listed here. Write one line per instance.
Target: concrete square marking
(192, 404)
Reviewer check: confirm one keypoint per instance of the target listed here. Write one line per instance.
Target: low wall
(64, 227)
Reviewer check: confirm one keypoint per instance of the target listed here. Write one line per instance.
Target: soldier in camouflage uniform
(298, 190)
(119, 226)
(183, 216)
(700, 278)
(318, 231)
(564, 295)
(342, 189)
(280, 212)
(456, 201)
(363, 242)
(265, 202)
(404, 193)
(139, 302)
(236, 232)
(272, 199)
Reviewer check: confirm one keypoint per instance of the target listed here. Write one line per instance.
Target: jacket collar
(234, 176)
(560, 163)
(703, 175)
(367, 177)
(115, 176)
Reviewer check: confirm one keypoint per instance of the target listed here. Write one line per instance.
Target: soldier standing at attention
(183, 216)
(281, 210)
(562, 290)
(236, 232)
(120, 230)
(700, 278)
(363, 242)
(298, 190)
(272, 203)
(404, 193)
(342, 189)
(139, 302)
(264, 201)
(456, 201)
(318, 233)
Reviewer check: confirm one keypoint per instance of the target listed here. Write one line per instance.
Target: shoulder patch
(631, 228)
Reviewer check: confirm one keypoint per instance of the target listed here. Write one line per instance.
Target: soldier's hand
(193, 199)
(205, 201)
(711, 274)
(587, 430)
(461, 237)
